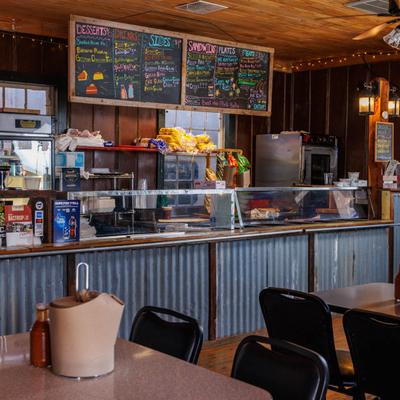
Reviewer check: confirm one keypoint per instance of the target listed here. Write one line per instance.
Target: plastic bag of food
(232, 161)
(243, 163)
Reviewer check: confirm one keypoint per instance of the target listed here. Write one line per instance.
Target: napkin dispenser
(83, 331)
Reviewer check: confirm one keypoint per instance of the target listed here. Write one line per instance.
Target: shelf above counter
(118, 148)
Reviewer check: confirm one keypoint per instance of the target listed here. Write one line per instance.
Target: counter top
(171, 239)
(140, 373)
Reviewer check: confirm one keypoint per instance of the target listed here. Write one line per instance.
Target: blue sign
(66, 221)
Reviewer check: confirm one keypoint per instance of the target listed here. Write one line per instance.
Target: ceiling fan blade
(374, 31)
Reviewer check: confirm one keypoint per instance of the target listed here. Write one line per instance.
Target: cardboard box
(244, 180)
(19, 227)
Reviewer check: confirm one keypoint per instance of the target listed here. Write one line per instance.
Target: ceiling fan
(393, 11)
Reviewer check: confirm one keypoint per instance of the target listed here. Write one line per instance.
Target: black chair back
(374, 341)
(303, 319)
(182, 339)
(288, 372)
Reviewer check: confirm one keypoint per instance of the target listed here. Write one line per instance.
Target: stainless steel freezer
(294, 158)
(278, 160)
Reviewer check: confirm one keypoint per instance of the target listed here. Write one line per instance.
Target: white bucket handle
(77, 280)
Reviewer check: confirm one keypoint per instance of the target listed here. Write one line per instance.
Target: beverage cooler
(26, 151)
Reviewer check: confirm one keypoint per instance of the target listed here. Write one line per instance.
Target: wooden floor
(218, 355)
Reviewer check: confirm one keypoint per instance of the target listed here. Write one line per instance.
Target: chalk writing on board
(94, 61)
(226, 77)
(384, 141)
(161, 72)
(127, 65)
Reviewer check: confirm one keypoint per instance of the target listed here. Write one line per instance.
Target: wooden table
(140, 373)
(377, 297)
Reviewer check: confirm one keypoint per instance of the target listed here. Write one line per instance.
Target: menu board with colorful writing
(384, 141)
(121, 64)
(127, 65)
(226, 77)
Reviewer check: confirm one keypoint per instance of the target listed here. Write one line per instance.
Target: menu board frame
(185, 38)
(378, 157)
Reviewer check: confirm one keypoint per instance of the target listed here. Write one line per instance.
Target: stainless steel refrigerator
(294, 158)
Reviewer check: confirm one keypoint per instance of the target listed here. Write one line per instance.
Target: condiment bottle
(397, 287)
(40, 338)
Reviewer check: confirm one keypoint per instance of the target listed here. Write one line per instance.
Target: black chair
(374, 341)
(182, 339)
(305, 319)
(288, 371)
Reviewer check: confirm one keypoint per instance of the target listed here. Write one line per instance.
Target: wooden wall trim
(347, 114)
(328, 102)
(292, 90)
(309, 100)
(284, 102)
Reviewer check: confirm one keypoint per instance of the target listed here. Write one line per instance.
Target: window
(197, 123)
(27, 98)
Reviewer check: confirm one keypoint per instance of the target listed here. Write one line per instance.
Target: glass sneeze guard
(130, 212)
(304, 205)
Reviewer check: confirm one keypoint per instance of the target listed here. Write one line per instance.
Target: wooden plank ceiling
(297, 29)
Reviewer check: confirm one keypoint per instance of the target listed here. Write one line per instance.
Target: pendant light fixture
(394, 102)
(368, 91)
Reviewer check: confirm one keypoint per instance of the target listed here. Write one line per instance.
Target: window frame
(190, 129)
(50, 90)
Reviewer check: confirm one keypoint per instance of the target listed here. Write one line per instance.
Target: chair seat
(345, 366)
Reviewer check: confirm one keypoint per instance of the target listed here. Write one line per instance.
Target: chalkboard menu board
(128, 65)
(228, 77)
(384, 141)
(121, 64)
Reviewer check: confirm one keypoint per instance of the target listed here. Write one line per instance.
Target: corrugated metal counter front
(215, 278)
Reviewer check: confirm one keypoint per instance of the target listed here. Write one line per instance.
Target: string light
(305, 64)
(50, 41)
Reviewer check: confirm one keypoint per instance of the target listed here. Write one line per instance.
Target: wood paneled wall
(33, 59)
(121, 125)
(326, 102)
(247, 127)
(320, 101)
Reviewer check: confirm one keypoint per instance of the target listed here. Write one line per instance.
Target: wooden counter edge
(246, 233)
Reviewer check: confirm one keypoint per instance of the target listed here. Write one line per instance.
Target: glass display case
(293, 205)
(180, 170)
(29, 162)
(26, 151)
(127, 212)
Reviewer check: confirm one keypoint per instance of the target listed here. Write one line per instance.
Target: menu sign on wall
(161, 68)
(384, 141)
(94, 61)
(121, 64)
(128, 65)
(226, 77)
